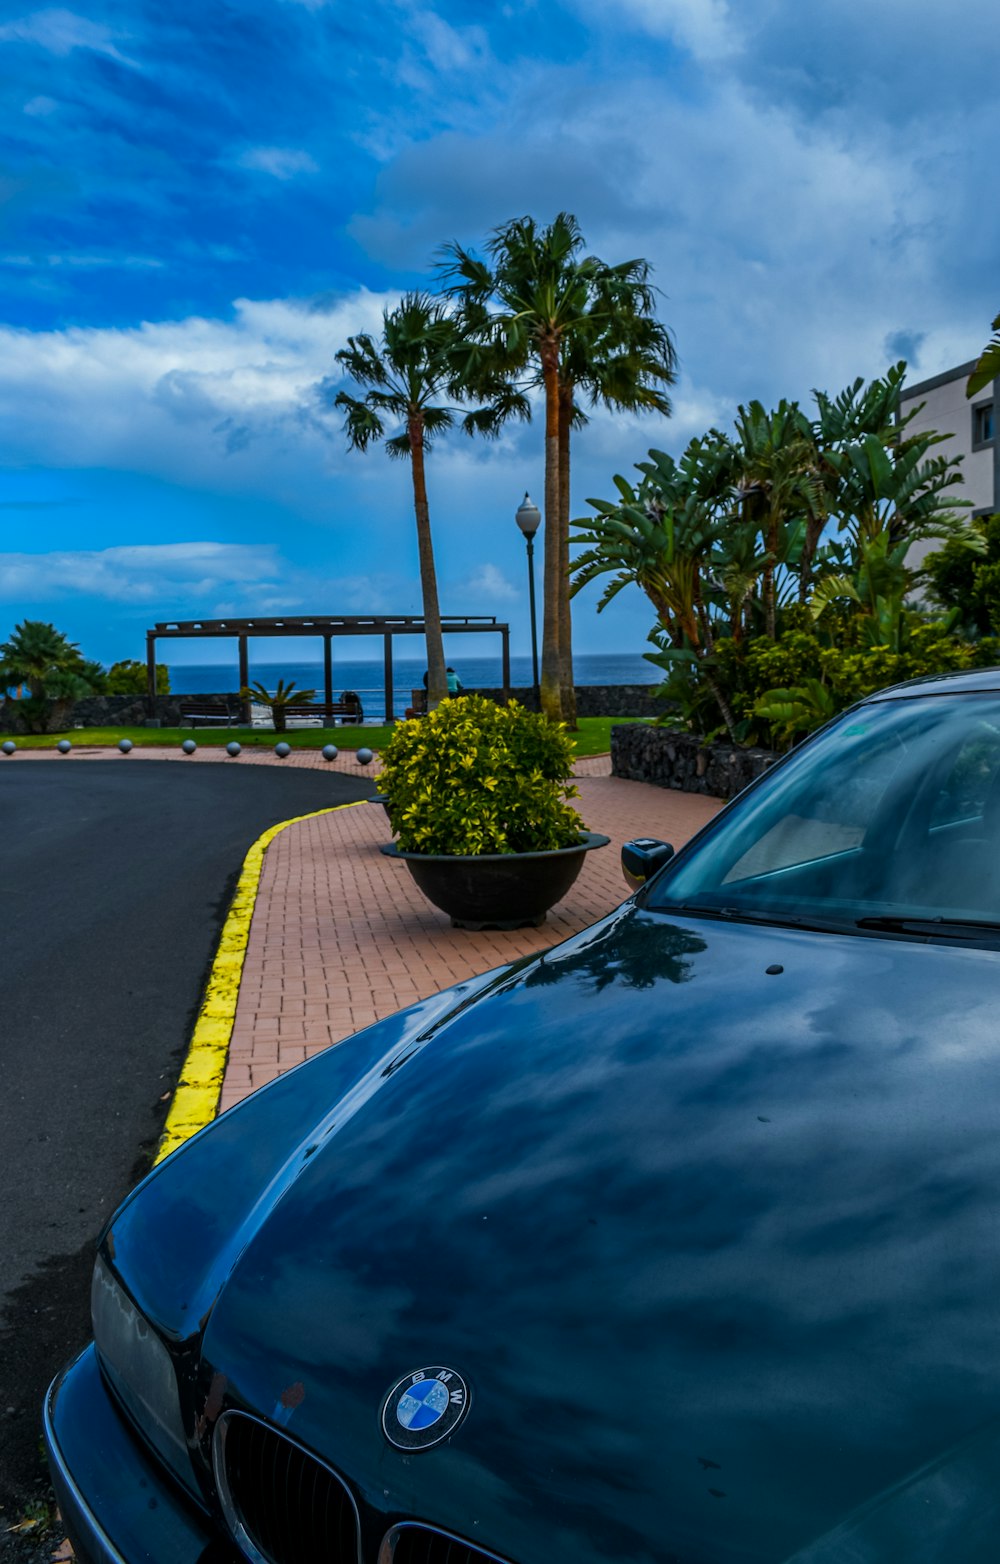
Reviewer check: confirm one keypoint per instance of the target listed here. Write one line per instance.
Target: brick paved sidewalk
(342, 937)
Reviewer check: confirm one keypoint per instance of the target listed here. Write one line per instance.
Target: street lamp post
(528, 517)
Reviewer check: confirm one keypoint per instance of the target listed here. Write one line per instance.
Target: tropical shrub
(779, 562)
(41, 658)
(959, 578)
(781, 690)
(129, 677)
(828, 679)
(473, 777)
(95, 676)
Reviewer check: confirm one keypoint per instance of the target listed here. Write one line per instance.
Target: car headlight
(139, 1368)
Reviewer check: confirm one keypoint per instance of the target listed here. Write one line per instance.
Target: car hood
(707, 1218)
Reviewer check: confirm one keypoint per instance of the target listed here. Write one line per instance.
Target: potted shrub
(478, 795)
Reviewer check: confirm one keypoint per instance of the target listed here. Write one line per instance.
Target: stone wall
(597, 700)
(119, 711)
(679, 760)
(128, 711)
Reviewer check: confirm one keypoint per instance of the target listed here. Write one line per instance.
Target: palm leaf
(987, 365)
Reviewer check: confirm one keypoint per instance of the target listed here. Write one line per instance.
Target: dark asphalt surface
(114, 881)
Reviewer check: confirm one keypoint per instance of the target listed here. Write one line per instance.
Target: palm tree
(624, 364)
(988, 363)
(285, 695)
(407, 373)
(51, 666)
(569, 320)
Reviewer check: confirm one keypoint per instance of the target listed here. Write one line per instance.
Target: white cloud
(60, 32)
(137, 573)
(708, 28)
(488, 582)
(788, 251)
(281, 162)
(449, 49)
(174, 398)
(119, 260)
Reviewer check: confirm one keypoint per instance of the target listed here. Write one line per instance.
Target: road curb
(196, 1097)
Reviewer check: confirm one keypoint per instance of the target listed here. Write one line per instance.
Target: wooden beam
(389, 712)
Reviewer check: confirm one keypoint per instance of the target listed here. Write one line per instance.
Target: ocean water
(367, 678)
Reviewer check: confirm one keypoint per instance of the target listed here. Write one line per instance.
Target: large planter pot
(497, 890)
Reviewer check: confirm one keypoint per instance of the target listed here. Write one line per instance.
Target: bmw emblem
(424, 1407)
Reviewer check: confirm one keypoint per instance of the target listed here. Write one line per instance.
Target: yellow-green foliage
(474, 777)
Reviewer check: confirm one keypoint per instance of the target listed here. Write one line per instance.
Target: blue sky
(199, 202)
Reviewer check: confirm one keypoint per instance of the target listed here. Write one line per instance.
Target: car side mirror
(642, 858)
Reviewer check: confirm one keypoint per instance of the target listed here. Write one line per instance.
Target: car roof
(972, 681)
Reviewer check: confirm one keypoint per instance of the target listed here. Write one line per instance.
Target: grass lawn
(593, 738)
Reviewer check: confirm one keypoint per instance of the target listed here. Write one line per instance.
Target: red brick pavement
(342, 937)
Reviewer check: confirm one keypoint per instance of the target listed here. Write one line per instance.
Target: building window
(982, 425)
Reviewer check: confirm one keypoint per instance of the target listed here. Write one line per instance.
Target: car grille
(420, 1545)
(286, 1504)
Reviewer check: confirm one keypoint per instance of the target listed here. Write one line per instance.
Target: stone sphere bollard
(125, 745)
(282, 749)
(365, 757)
(330, 752)
(8, 747)
(233, 749)
(64, 746)
(189, 746)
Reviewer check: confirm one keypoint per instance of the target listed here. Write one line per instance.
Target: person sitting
(353, 699)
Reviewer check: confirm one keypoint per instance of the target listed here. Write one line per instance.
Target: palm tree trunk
(551, 680)
(770, 607)
(814, 531)
(728, 715)
(437, 681)
(567, 688)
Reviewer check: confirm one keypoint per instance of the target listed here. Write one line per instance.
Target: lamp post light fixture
(528, 518)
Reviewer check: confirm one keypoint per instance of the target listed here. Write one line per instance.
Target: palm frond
(987, 365)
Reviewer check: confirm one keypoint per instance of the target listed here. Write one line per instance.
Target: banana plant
(665, 535)
(900, 490)
(779, 487)
(987, 364)
(800, 709)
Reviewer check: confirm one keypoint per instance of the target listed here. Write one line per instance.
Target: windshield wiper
(950, 928)
(779, 920)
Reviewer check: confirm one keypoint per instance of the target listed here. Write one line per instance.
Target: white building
(969, 427)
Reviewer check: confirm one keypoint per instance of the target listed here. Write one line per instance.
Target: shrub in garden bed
(473, 777)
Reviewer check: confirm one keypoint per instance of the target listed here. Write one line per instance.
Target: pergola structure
(325, 627)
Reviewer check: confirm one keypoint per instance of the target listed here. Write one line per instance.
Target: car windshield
(889, 822)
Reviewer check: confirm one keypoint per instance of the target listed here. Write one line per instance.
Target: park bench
(194, 712)
(315, 715)
(301, 715)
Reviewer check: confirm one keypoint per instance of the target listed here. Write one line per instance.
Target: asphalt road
(114, 881)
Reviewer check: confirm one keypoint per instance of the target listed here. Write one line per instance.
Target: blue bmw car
(678, 1244)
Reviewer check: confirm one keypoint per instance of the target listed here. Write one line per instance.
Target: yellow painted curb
(196, 1098)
